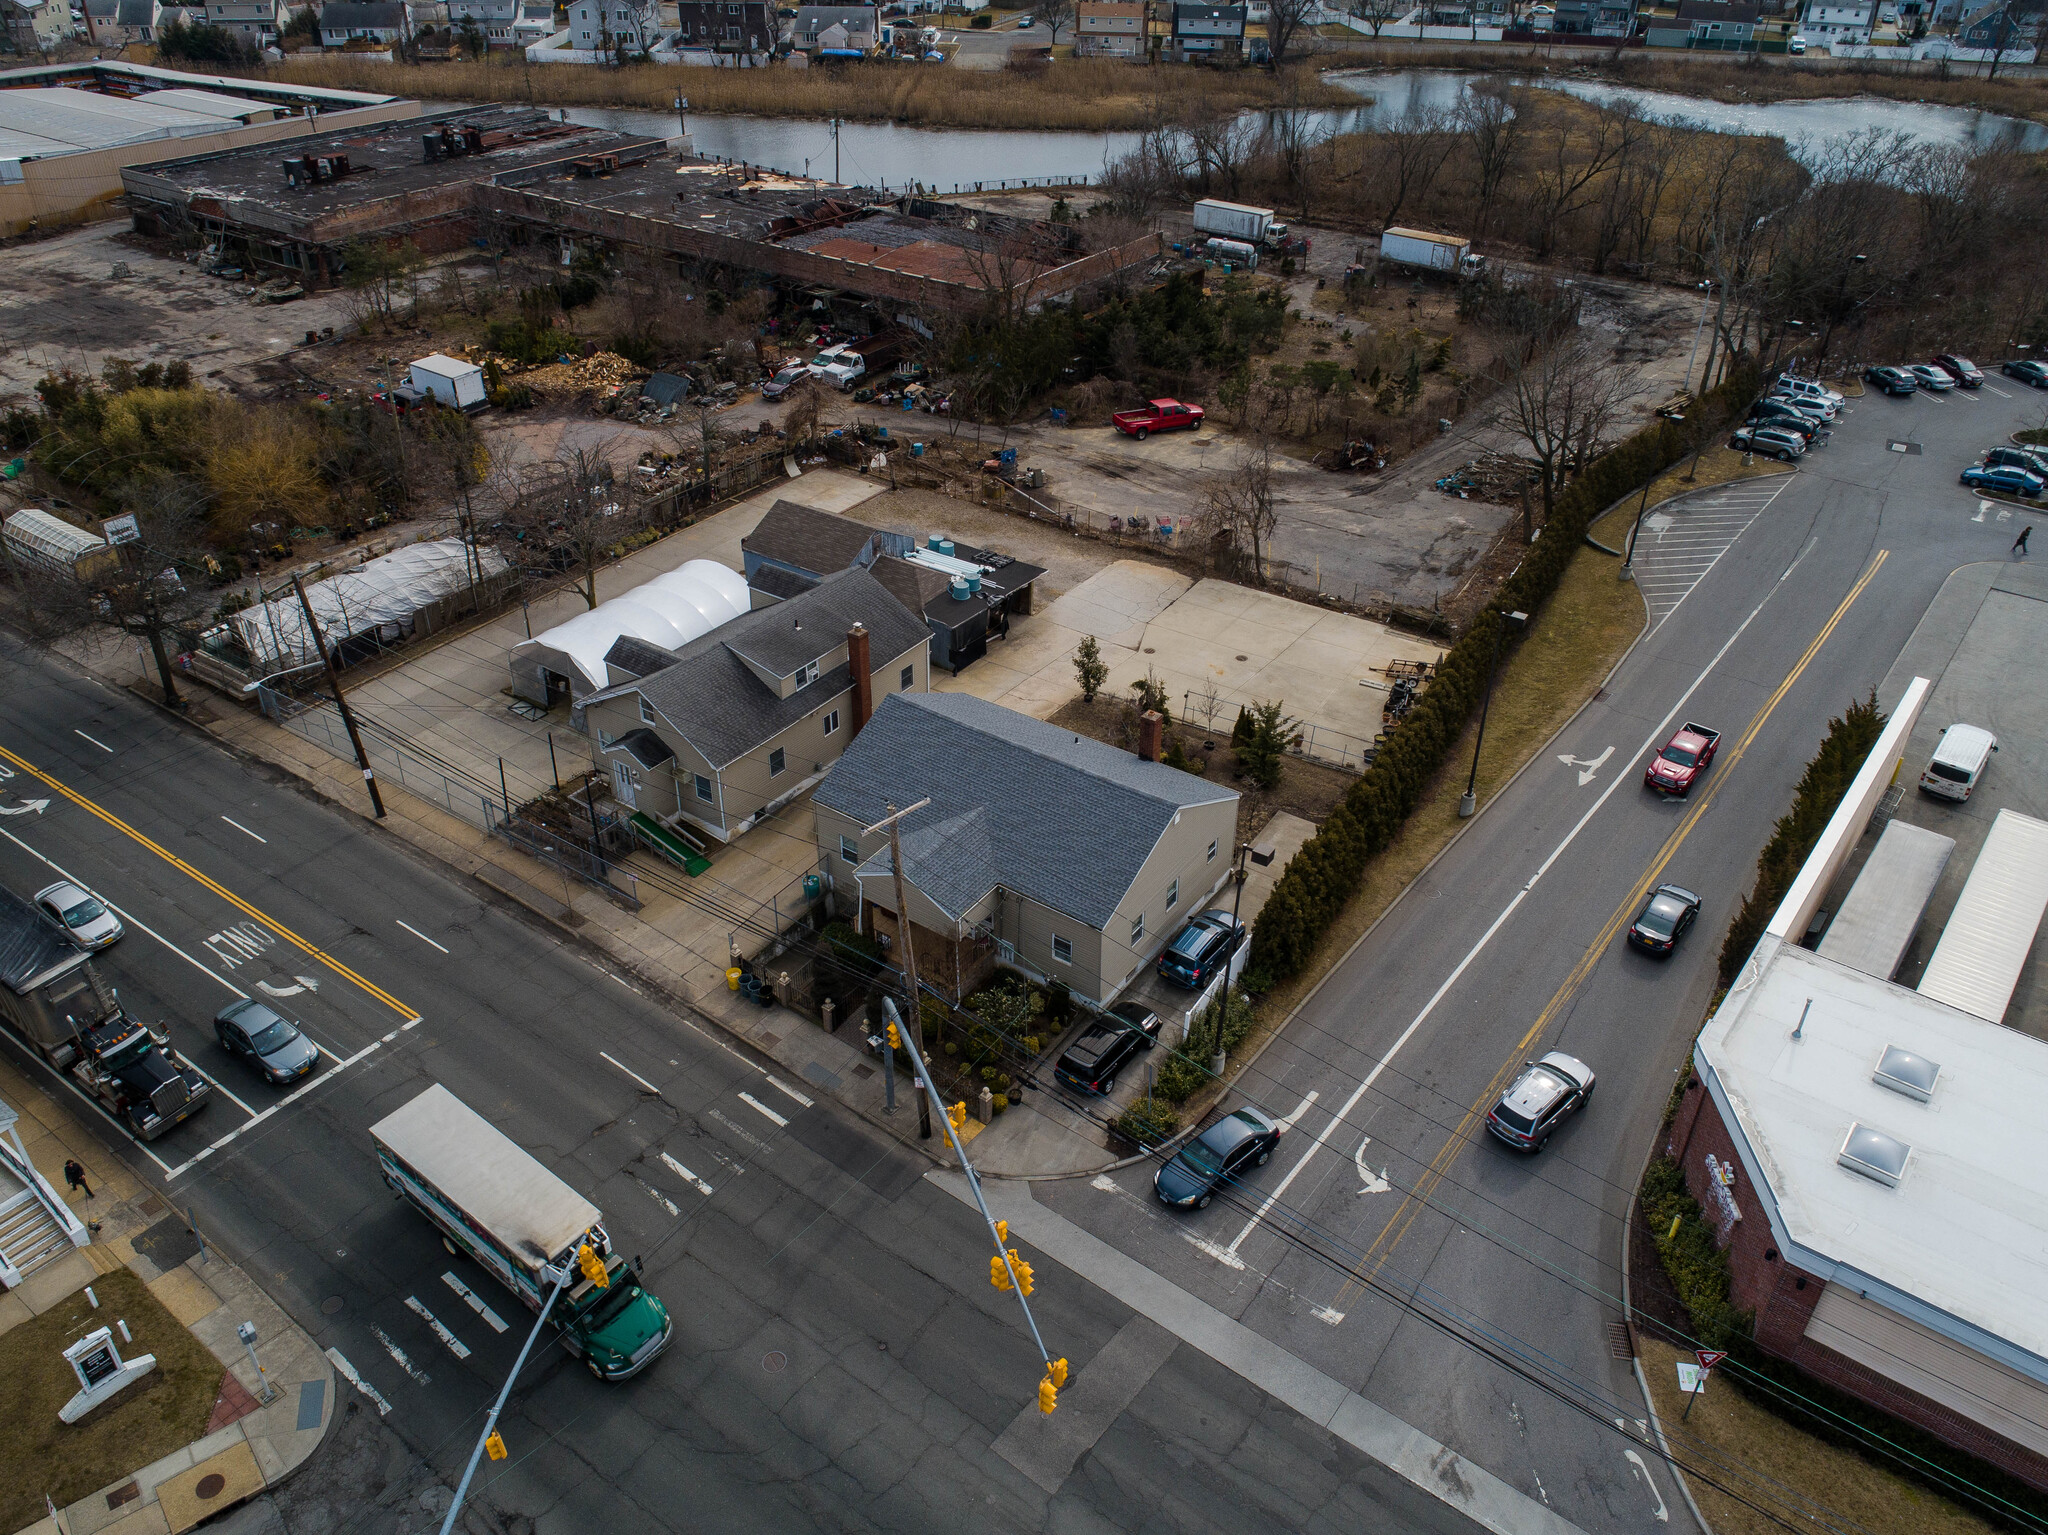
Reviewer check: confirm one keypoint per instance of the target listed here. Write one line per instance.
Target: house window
(1063, 949)
(807, 674)
(849, 850)
(646, 711)
(1173, 895)
(831, 721)
(703, 788)
(909, 675)
(775, 762)
(733, 33)
(1137, 929)
(1212, 851)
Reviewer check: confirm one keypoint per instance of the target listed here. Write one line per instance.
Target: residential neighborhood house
(1594, 18)
(835, 27)
(1210, 32)
(606, 26)
(1709, 26)
(1838, 21)
(741, 720)
(727, 26)
(255, 24)
(1073, 860)
(382, 23)
(1109, 29)
(37, 26)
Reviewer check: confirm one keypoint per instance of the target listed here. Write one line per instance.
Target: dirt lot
(1307, 789)
(61, 308)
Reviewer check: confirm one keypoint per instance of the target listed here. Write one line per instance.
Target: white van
(1959, 761)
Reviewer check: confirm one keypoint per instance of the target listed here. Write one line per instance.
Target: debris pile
(561, 380)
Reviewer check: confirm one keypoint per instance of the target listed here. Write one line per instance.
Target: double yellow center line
(313, 950)
(1390, 1235)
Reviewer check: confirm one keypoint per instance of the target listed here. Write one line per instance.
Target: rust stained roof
(922, 258)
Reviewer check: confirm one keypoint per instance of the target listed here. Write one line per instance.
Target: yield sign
(1709, 1357)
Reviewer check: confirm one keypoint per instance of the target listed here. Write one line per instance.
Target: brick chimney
(863, 682)
(1150, 728)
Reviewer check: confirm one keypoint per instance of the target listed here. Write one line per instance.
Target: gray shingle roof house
(741, 720)
(1065, 856)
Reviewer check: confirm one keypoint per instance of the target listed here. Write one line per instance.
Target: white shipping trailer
(1989, 934)
(1449, 254)
(1233, 221)
(1882, 911)
(450, 380)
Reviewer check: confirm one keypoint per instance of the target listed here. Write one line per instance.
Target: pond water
(892, 155)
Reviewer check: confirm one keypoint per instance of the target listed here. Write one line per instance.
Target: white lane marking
(455, 1345)
(789, 1092)
(1326, 1314)
(629, 1071)
(102, 745)
(1588, 766)
(476, 1302)
(238, 826)
(1105, 1183)
(1295, 1118)
(348, 1373)
(1997, 391)
(422, 937)
(686, 1175)
(1374, 1182)
(1651, 556)
(756, 1104)
(1223, 1255)
(398, 1356)
(285, 1102)
(661, 1199)
(1650, 742)
(306, 983)
(1643, 1471)
(221, 1088)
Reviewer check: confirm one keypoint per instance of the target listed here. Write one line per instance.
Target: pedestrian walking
(2019, 545)
(74, 1177)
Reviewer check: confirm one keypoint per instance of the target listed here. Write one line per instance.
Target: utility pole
(924, 1100)
(348, 719)
(835, 151)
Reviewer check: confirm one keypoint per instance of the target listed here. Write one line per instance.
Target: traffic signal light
(1002, 1232)
(1048, 1396)
(1023, 1273)
(1058, 1371)
(593, 1266)
(956, 1114)
(496, 1445)
(998, 1272)
(895, 1039)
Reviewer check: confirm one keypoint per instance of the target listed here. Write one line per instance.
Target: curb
(1628, 1311)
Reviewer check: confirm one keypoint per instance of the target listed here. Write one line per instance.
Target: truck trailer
(1449, 254)
(1238, 221)
(493, 1202)
(52, 997)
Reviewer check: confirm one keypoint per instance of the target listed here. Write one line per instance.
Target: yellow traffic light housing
(496, 1445)
(998, 1272)
(956, 1114)
(895, 1039)
(1023, 1273)
(592, 1266)
(1048, 1396)
(1058, 1371)
(1002, 1232)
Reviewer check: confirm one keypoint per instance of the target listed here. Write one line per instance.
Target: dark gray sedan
(1223, 1153)
(269, 1040)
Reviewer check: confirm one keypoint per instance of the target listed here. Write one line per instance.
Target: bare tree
(1238, 514)
(1416, 143)
(1055, 15)
(1377, 14)
(569, 517)
(1569, 177)
(1295, 135)
(1493, 134)
(1144, 177)
(1561, 401)
(1223, 142)
(1285, 19)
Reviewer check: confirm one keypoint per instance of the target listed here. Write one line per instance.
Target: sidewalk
(244, 1445)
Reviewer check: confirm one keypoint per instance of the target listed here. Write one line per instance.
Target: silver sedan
(83, 915)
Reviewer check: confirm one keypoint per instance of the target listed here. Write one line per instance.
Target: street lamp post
(1470, 801)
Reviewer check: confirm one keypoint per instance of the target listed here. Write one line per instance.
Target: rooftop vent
(1875, 1155)
(1904, 1072)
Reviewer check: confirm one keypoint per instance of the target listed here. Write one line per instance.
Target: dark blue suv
(1201, 951)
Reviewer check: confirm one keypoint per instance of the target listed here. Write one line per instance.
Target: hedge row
(1322, 877)
(1821, 787)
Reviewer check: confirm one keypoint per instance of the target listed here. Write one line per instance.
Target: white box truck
(493, 1202)
(1238, 221)
(1450, 254)
(455, 383)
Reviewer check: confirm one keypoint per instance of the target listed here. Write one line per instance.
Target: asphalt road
(840, 1361)
(1511, 945)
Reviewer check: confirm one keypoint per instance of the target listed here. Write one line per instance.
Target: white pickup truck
(840, 366)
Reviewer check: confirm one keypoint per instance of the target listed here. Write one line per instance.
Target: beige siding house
(1068, 858)
(741, 721)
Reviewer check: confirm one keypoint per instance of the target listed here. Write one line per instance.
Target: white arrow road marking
(455, 1345)
(398, 1356)
(348, 1373)
(1325, 1314)
(26, 807)
(1643, 1471)
(686, 1175)
(1295, 1118)
(1587, 766)
(1375, 1183)
(476, 1302)
(306, 983)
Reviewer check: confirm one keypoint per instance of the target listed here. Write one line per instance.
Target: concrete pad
(1285, 834)
(185, 1295)
(146, 1520)
(13, 1311)
(56, 1282)
(214, 1484)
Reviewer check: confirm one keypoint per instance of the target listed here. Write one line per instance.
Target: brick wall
(1783, 1297)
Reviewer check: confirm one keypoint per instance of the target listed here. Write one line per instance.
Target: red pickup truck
(1158, 416)
(1684, 757)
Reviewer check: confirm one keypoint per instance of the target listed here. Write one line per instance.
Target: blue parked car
(2007, 478)
(1201, 951)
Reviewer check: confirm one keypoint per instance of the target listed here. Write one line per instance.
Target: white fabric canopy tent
(389, 590)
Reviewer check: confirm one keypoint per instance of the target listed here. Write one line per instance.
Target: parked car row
(1948, 370)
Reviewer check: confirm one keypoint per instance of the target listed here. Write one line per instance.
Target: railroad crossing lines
(1681, 541)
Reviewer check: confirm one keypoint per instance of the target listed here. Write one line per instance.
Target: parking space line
(759, 1107)
(476, 1302)
(629, 1071)
(423, 938)
(1673, 560)
(1997, 391)
(102, 745)
(238, 826)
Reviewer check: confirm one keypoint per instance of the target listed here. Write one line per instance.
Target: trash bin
(732, 979)
(812, 886)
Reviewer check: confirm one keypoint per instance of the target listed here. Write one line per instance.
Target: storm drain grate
(1619, 1343)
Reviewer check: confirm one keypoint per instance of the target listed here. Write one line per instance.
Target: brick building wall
(1782, 1297)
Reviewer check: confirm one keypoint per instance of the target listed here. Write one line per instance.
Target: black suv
(1201, 951)
(1780, 413)
(1091, 1063)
